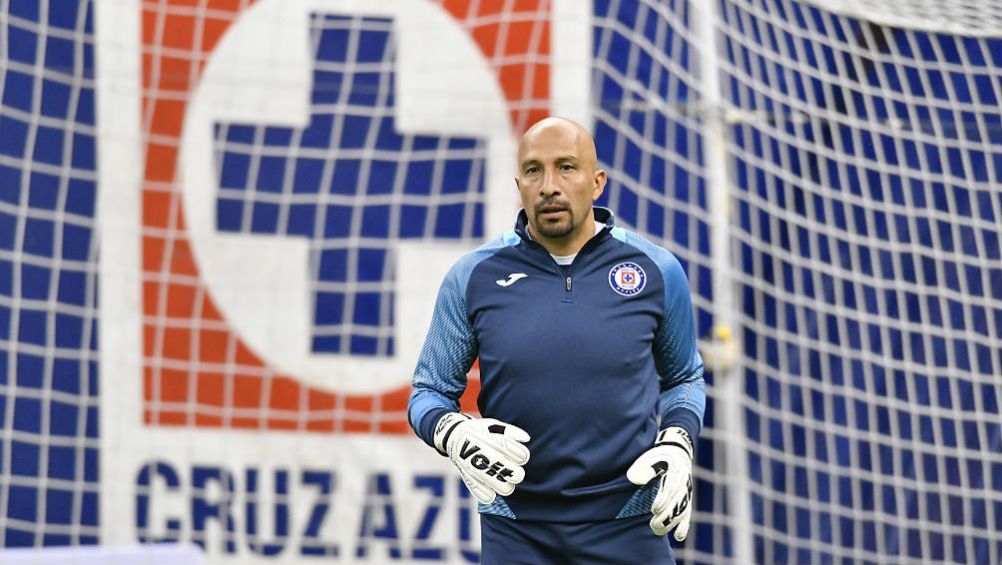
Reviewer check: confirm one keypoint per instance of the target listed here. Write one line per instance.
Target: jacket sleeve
(679, 365)
(449, 351)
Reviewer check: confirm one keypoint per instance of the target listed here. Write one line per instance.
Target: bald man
(592, 389)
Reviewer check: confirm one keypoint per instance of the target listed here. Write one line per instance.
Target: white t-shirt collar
(564, 260)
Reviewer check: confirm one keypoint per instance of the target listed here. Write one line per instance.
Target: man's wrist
(445, 427)
(428, 424)
(676, 436)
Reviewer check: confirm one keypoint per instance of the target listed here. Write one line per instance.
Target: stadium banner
(255, 365)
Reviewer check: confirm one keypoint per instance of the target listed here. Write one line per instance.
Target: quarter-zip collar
(602, 215)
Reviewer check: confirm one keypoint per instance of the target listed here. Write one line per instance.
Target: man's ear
(598, 181)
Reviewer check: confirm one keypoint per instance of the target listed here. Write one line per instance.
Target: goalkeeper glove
(671, 458)
(488, 453)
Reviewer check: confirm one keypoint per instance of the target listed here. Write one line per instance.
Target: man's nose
(549, 186)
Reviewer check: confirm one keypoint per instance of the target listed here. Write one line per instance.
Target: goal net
(865, 147)
(828, 171)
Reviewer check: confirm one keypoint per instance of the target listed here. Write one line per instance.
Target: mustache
(551, 205)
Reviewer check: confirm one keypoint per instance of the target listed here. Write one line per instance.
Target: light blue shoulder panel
(450, 346)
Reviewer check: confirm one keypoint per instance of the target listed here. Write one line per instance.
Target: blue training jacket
(591, 359)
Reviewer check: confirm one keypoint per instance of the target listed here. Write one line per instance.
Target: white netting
(866, 171)
(963, 17)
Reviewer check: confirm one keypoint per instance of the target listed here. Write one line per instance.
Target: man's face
(558, 184)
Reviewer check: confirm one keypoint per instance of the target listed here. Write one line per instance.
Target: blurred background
(223, 224)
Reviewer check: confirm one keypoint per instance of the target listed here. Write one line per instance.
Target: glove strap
(443, 430)
(676, 436)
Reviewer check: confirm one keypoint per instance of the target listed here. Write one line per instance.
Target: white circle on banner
(627, 278)
(261, 73)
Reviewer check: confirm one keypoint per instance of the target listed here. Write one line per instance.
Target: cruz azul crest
(627, 279)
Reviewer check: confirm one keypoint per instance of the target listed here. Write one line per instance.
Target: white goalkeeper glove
(671, 458)
(488, 453)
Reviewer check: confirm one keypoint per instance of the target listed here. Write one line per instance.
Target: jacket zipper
(568, 280)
